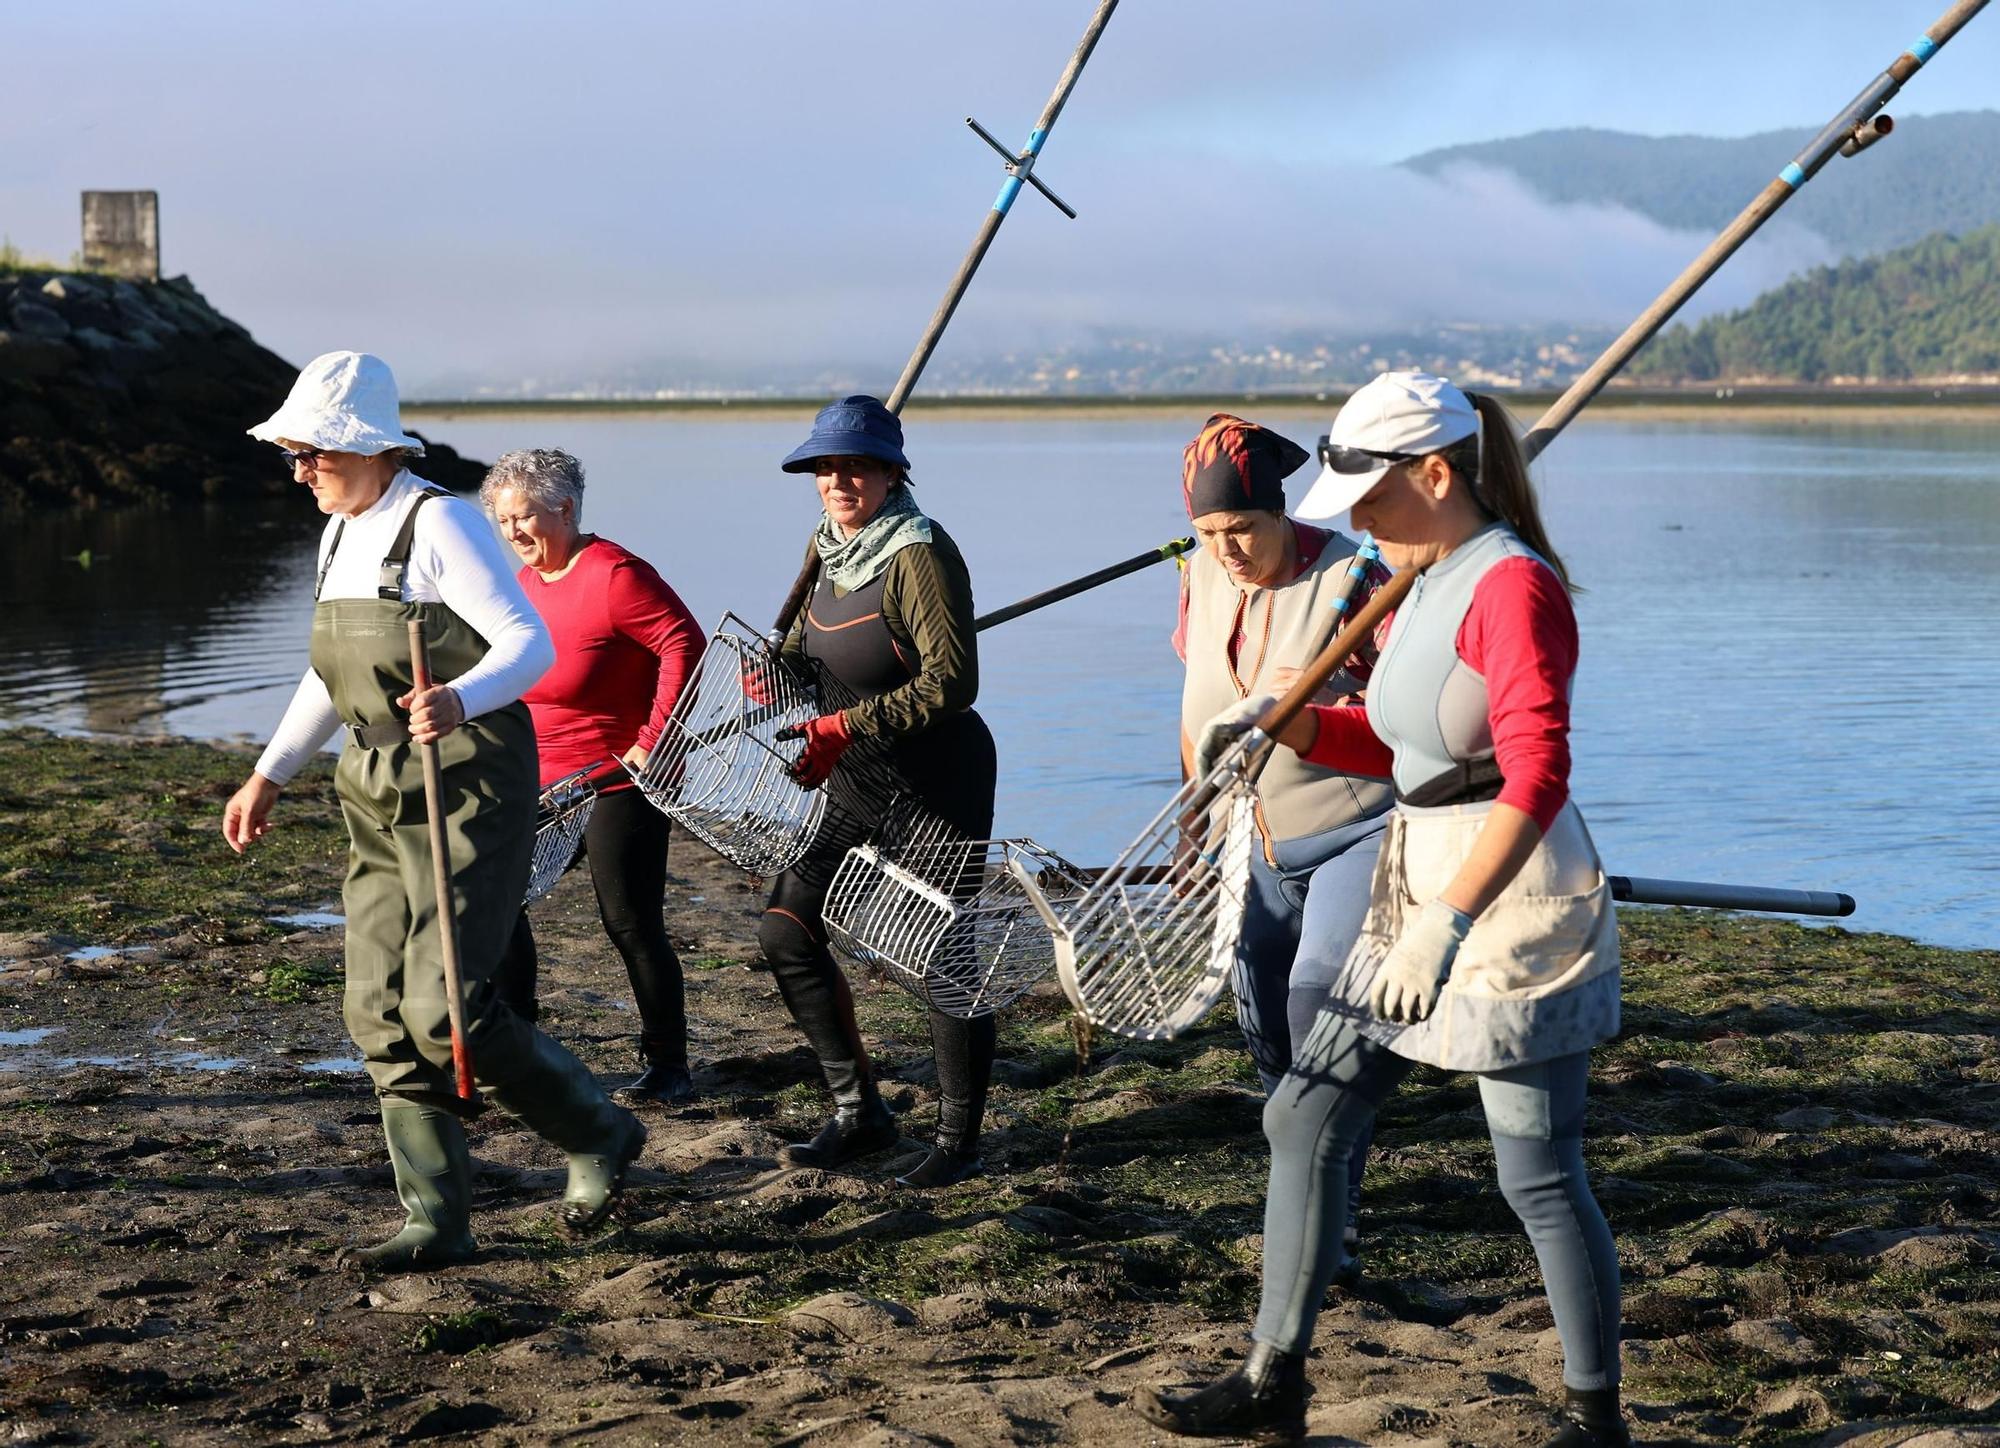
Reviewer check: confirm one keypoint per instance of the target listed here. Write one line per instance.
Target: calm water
(1791, 672)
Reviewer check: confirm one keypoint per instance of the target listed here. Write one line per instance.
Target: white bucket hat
(342, 402)
(1394, 417)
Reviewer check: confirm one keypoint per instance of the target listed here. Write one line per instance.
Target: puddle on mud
(101, 952)
(34, 1035)
(23, 1050)
(345, 1065)
(310, 919)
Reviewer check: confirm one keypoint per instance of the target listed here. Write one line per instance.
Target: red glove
(756, 688)
(827, 738)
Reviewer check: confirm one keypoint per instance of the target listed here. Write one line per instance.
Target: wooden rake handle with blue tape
(1020, 168)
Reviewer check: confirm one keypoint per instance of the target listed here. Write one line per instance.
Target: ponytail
(1492, 462)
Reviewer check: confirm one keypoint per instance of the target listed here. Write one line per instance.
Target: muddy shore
(1797, 1140)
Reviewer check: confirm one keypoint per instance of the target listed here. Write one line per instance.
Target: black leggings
(626, 845)
(953, 771)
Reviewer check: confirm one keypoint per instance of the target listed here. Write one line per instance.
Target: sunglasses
(1353, 460)
(310, 456)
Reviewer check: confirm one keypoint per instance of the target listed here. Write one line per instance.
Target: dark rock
(39, 321)
(25, 357)
(116, 392)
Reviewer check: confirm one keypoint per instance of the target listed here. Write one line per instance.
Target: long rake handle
(1702, 895)
(1178, 548)
(1822, 148)
(454, 993)
(803, 585)
(1831, 141)
(1328, 662)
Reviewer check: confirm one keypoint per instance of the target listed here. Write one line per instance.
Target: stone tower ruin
(121, 233)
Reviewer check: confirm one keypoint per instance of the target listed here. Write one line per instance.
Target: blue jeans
(1300, 921)
(1535, 1116)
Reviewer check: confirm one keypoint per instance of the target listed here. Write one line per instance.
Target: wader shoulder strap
(331, 549)
(389, 582)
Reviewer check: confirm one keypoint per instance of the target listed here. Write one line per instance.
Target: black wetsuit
(865, 646)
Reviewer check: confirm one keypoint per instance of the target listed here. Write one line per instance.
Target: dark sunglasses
(1353, 460)
(310, 456)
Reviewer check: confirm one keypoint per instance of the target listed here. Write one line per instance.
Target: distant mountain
(1923, 312)
(1932, 174)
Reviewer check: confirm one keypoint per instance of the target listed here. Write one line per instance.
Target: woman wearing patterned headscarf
(1256, 606)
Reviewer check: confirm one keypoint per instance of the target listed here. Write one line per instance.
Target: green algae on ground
(113, 840)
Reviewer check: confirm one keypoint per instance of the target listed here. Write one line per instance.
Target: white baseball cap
(1393, 418)
(342, 402)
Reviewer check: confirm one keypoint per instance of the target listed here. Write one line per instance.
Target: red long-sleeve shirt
(625, 648)
(1520, 636)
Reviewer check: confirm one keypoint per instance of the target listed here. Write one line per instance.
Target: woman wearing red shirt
(625, 647)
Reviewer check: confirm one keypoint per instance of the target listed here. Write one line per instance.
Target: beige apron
(1537, 977)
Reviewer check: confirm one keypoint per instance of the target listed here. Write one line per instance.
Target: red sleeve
(1346, 743)
(645, 610)
(1520, 635)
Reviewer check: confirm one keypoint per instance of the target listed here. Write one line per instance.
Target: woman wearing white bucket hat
(1490, 944)
(397, 549)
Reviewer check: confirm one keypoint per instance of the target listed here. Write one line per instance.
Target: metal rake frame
(1149, 948)
(562, 813)
(718, 771)
(946, 916)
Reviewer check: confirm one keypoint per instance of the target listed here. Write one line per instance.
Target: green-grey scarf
(856, 562)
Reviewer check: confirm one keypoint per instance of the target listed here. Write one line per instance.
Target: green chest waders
(395, 1003)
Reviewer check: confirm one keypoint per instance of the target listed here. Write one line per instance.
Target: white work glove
(1226, 728)
(1407, 985)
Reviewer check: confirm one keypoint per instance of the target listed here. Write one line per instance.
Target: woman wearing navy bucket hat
(397, 549)
(1490, 944)
(889, 626)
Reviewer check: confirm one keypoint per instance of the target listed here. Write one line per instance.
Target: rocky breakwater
(116, 392)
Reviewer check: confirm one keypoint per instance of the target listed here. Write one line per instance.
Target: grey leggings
(1535, 1116)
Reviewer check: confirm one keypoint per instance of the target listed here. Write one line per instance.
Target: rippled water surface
(1791, 667)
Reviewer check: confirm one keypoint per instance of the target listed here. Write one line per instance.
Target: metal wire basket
(1149, 947)
(946, 916)
(718, 769)
(561, 816)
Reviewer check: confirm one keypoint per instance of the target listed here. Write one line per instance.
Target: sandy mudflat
(1797, 1140)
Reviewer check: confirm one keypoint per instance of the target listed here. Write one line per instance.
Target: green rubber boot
(557, 1098)
(434, 1181)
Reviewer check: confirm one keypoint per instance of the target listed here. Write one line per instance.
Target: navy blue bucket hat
(852, 427)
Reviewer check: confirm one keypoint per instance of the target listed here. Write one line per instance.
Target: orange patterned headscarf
(1237, 466)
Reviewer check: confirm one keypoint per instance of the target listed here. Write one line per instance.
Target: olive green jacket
(927, 605)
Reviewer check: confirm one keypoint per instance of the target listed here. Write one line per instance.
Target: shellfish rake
(562, 814)
(1148, 948)
(717, 770)
(948, 917)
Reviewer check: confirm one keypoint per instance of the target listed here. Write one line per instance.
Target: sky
(495, 192)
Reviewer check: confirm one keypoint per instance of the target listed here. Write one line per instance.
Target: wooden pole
(1020, 171)
(454, 992)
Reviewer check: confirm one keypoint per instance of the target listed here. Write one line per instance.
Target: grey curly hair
(544, 475)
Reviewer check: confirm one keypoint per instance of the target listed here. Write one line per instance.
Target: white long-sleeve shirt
(454, 560)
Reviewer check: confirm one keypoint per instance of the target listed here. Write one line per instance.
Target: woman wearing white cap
(1490, 944)
(396, 549)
